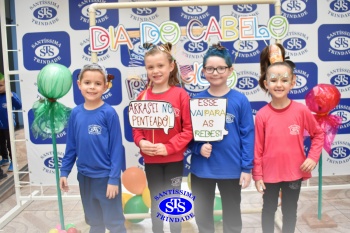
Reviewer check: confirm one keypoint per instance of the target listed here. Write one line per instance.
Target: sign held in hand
(146, 114)
(208, 116)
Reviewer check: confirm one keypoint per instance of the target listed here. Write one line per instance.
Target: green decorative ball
(54, 81)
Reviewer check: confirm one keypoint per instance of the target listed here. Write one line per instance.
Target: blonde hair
(166, 49)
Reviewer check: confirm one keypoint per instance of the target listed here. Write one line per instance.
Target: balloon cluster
(70, 228)
(139, 198)
(321, 100)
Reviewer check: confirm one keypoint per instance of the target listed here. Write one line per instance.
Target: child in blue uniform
(226, 163)
(5, 143)
(94, 142)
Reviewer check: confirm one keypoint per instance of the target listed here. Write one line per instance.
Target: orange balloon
(134, 180)
(125, 198)
(146, 197)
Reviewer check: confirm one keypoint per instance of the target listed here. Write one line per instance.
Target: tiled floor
(42, 215)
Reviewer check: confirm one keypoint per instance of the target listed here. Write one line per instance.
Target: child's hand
(260, 186)
(308, 165)
(206, 150)
(245, 179)
(112, 191)
(147, 147)
(161, 149)
(64, 184)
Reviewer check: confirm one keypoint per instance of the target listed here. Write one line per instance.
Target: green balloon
(69, 225)
(135, 205)
(217, 206)
(54, 81)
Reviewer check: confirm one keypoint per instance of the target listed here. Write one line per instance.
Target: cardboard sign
(208, 116)
(147, 114)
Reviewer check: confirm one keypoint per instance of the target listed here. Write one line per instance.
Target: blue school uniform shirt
(16, 104)
(235, 153)
(94, 142)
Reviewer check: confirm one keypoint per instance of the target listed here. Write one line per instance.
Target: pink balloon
(322, 98)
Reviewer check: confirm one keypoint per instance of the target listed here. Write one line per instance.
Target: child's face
(158, 68)
(2, 86)
(216, 71)
(279, 81)
(92, 85)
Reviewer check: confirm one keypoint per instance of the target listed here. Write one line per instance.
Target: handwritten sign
(147, 114)
(208, 116)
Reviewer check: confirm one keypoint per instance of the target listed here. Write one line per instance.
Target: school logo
(79, 15)
(306, 73)
(244, 10)
(43, 48)
(194, 89)
(340, 153)
(86, 52)
(295, 44)
(246, 51)
(194, 51)
(339, 8)
(334, 42)
(294, 129)
(44, 13)
(112, 96)
(175, 205)
(343, 110)
(182, 15)
(48, 161)
(298, 11)
(134, 57)
(248, 82)
(46, 137)
(94, 129)
(143, 14)
(340, 78)
(230, 118)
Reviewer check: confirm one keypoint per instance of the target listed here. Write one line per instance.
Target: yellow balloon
(125, 198)
(146, 197)
(53, 230)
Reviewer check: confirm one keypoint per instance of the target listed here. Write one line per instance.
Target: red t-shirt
(177, 139)
(279, 142)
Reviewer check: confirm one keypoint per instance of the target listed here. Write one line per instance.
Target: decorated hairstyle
(266, 60)
(219, 51)
(97, 67)
(279, 63)
(151, 49)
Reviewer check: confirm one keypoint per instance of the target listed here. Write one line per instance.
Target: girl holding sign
(280, 162)
(163, 151)
(226, 163)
